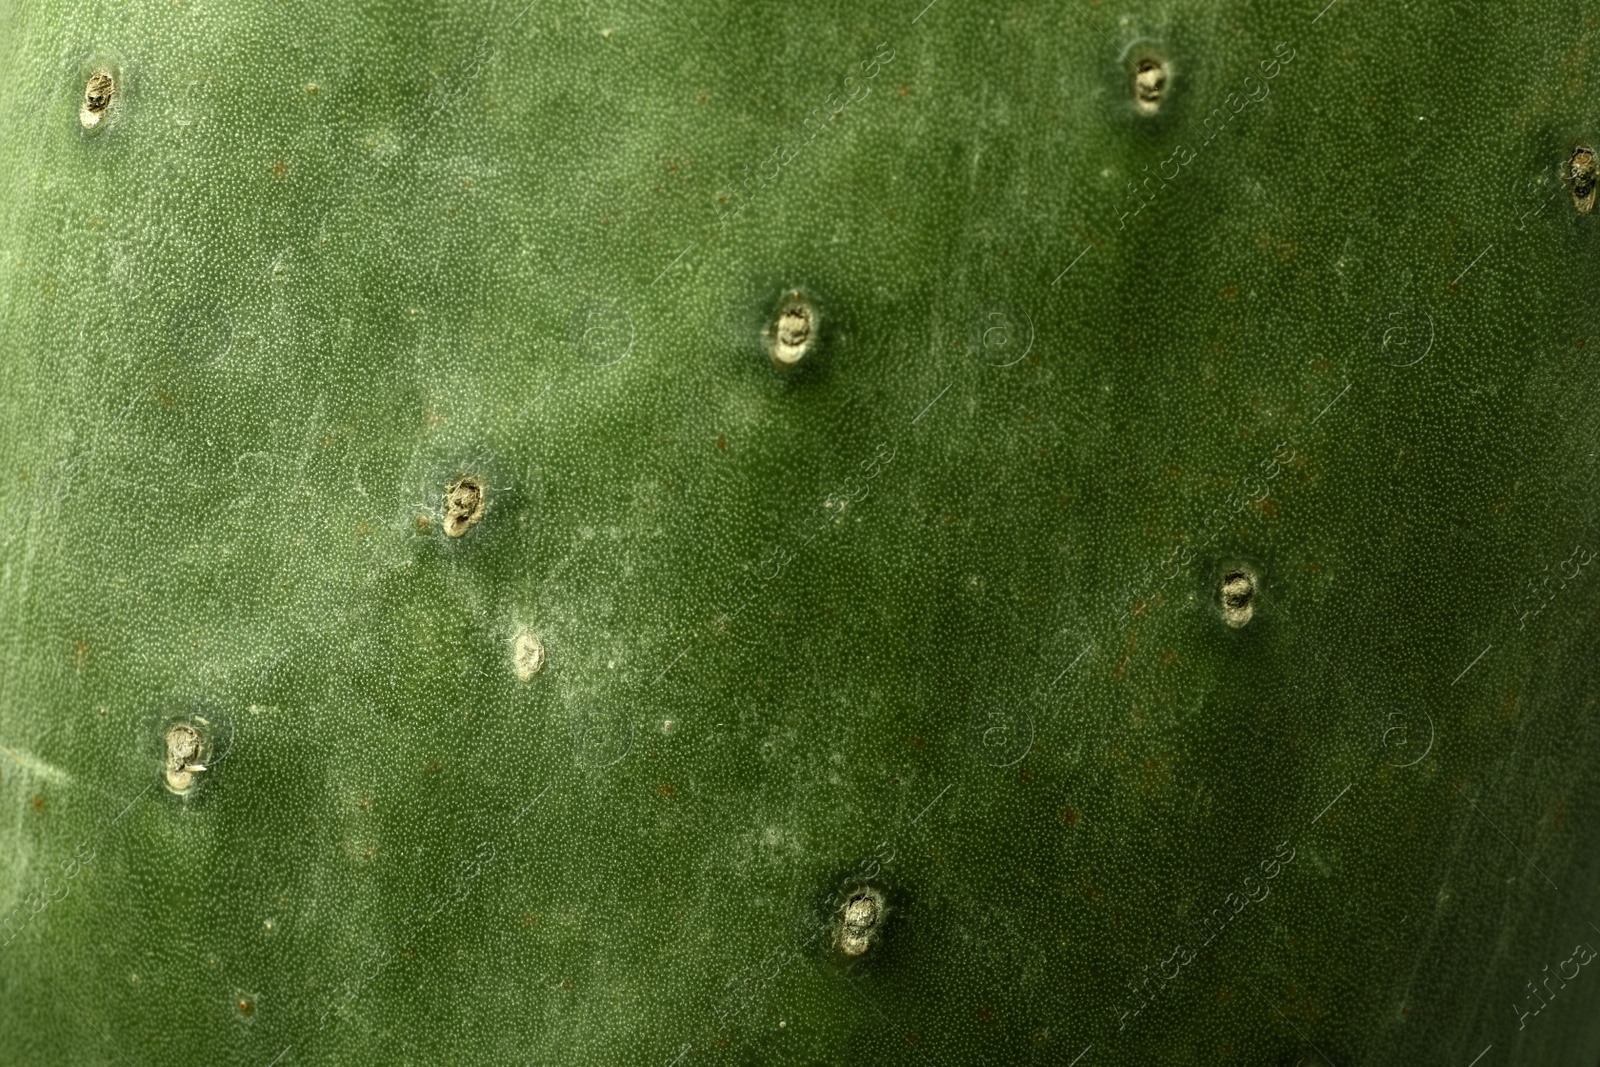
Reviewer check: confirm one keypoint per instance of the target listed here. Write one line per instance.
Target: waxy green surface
(935, 609)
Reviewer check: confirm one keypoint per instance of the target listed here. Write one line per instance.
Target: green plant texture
(724, 532)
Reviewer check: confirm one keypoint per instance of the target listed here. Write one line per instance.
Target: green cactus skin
(936, 613)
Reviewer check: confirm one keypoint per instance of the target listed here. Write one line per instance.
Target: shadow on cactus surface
(699, 533)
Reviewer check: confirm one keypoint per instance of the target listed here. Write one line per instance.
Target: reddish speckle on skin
(1068, 816)
(985, 1015)
(667, 789)
(913, 1037)
(1153, 774)
(722, 443)
(918, 742)
(1508, 706)
(1229, 292)
(1558, 814)
(37, 802)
